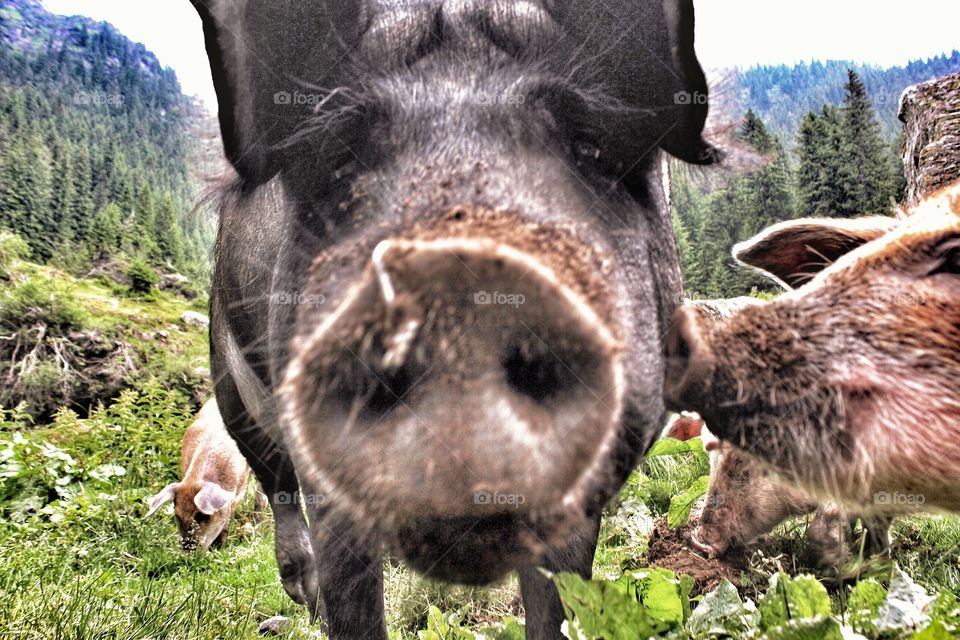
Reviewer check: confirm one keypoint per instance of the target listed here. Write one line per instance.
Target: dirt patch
(670, 549)
(47, 368)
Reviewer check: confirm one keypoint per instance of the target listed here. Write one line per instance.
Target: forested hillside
(782, 95)
(95, 141)
(842, 167)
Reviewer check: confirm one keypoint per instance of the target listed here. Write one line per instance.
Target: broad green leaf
(659, 591)
(721, 613)
(864, 604)
(936, 631)
(686, 586)
(639, 604)
(602, 608)
(906, 606)
(633, 523)
(672, 447)
(946, 609)
(819, 628)
(793, 599)
(507, 629)
(682, 503)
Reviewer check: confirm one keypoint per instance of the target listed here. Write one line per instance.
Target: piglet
(214, 482)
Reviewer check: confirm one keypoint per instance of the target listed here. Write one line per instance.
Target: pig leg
(540, 597)
(272, 466)
(876, 533)
(292, 541)
(351, 578)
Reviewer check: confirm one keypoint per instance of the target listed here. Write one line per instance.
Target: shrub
(142, 276)
(12, 247)
(40, 300)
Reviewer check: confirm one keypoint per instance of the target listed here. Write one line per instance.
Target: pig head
(848, 384)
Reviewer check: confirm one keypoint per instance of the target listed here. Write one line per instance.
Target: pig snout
(689, 361)
(701, 541)
(458, 397)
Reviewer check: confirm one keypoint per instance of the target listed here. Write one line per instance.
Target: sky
(729, 32)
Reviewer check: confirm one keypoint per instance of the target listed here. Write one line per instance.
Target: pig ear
(690, 99)
(642, 54)
(684, 426)
(166, 495)
(792, 252)
(260, 54)
(212, 497)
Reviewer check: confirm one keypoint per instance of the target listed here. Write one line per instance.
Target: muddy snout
(461, 386)
(689, 361)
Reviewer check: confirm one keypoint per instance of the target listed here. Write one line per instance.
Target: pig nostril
(539, 376)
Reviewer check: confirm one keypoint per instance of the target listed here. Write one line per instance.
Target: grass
(78, 559)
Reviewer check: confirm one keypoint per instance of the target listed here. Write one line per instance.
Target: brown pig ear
(211, 498)
(166, 495)
(684, 426)
(792, 252)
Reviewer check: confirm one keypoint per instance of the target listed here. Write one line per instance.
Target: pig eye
(588, 155)
(587, 151)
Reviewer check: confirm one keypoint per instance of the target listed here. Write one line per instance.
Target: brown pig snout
(689, 361)
(461, 379)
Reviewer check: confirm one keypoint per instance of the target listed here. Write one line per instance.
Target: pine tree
(61, 204)
(25, 195)
(822, 174)
(167, 233)
(105, 235)
(82, 211)
(144, 228)
(688, 209)
(870, 181)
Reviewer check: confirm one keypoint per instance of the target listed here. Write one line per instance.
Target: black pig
(442, 278)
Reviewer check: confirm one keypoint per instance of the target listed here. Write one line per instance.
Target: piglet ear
(166, 495)
(684, 426)
(212, 497)
(793, 252)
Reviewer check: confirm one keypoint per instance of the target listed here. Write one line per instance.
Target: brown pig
(214, 481)
(745, 500)
(849, 384)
